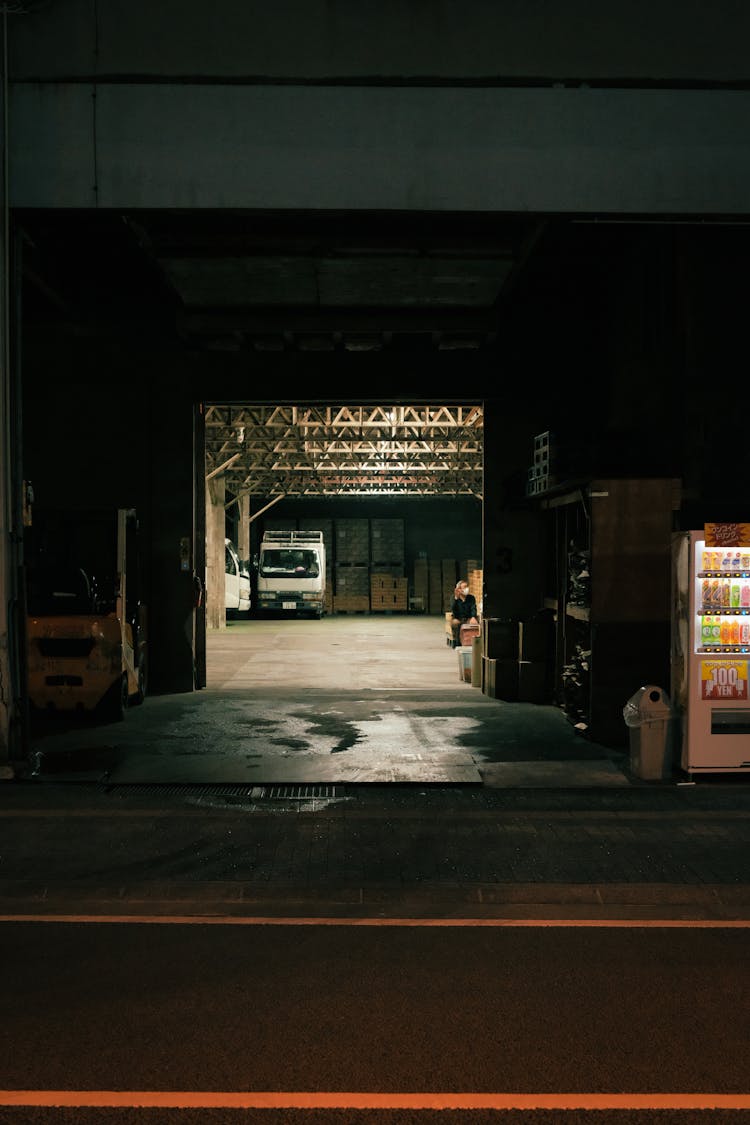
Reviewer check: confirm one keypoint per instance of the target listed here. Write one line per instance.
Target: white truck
(292, 573)
(236, 582)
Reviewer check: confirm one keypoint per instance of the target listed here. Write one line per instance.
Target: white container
(464, 662)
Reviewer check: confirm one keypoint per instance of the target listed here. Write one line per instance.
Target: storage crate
(353, 580)
(350, 603)
(352, 539)
(387, 543)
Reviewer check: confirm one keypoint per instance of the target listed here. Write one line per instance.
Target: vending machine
(711, 647)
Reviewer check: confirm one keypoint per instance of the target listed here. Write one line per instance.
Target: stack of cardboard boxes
(352, 566)
(388, 586)
(516, 660)
(388, 593)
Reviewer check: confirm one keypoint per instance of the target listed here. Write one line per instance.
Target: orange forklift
(86, 626)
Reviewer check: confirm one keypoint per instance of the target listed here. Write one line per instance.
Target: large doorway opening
(394, 491)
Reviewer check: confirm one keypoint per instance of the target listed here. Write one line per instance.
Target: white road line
(271, 920)
(179, 1099)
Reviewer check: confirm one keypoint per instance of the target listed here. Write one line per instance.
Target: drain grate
(233, 791)
(300, 792)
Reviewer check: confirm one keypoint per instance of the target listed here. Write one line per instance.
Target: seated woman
(463, 610)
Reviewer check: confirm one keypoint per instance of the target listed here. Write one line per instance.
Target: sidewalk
(663, 852)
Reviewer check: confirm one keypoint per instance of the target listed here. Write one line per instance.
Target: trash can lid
(650, 702)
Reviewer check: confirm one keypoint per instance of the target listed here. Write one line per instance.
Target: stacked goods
(471, 570)
(448, 582)
(388, 593)
(387, 546)
(421, 588)
(352, 589)
(576, 688)
(435, 587)
(326, 526)
(500, 658)
(579, 578)
(535, 646)
(516, 659)
(353, 542)
(465, 567)
(476, 582)
(556, 460)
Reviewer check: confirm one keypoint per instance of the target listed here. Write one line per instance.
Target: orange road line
(186, 1099)
(271, 920)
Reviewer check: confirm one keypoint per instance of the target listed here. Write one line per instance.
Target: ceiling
(358, 301)
(297, 283)
(294, 285)
(335, 450)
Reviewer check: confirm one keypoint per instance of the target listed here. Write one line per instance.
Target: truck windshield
(289, 564)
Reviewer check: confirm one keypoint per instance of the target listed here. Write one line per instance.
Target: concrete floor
(349, 699)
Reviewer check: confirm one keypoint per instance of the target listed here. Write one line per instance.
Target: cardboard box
(532, 682)
(500, 638)
(387, 541)
(534, 640)
(353, 580)
(500, 678)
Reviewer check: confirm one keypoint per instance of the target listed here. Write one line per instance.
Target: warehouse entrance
(395, 491)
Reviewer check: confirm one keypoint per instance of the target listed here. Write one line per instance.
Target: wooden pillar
(216, 617)
(243, 527)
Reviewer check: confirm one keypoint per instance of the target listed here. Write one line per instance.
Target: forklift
(86, 625)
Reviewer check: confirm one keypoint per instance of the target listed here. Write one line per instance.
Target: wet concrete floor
(349, 699)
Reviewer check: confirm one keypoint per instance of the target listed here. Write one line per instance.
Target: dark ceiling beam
(327, 320)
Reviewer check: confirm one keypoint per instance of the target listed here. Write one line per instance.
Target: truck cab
(236, 582)
(292, 573)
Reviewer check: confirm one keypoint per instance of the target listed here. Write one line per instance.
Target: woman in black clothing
(464, 609)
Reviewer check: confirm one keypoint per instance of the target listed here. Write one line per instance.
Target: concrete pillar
(172, 603)
(216, 617)
(512, 539)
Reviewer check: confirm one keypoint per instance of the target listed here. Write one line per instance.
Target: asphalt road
(214, 1009)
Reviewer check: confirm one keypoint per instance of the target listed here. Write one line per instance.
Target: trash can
(648, 716)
